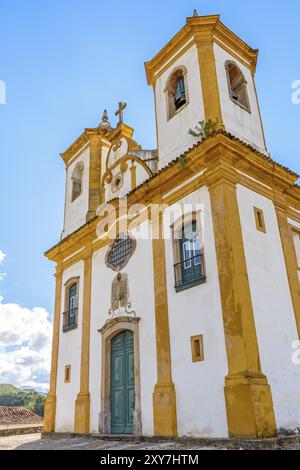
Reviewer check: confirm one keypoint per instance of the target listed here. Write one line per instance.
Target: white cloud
(2, 256)
(25, 344)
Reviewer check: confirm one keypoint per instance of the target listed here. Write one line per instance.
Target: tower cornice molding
(82, 142)
(201, 28)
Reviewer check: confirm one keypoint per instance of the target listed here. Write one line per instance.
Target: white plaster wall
(69, 354)
(141, 174)
(199, 386)
(140, 274)
(241, 123)
(75, 212)
(273, 310)
(173, 136)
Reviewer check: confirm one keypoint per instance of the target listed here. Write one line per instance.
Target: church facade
(177, 301)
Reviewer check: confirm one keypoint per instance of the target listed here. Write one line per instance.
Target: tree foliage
(30, 399)
(204, 129)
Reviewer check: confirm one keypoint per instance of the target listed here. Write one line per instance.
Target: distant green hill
(28, 398)
(7, 388)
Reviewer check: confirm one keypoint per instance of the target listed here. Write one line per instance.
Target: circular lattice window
(120, 251)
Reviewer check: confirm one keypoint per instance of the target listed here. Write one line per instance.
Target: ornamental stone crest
(120, 302)
(120, 251)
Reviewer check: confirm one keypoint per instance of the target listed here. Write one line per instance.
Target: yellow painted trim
(177, 56)
(248, 396)
(78, 155)
(164, 396)
(259, 113)
(50, 404)
(82, 404)
(193, 27)
(209, 81)
(94, 177)
(133, 176)
(260, 220)
(289, 253)
(197, 356)
(82, 141)
(267, 174)
(68, 374)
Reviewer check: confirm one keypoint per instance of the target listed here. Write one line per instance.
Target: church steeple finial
(195, 12)
(105, 124)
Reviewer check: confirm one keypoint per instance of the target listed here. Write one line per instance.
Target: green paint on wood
(122, 383)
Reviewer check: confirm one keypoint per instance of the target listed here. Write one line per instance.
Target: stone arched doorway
(117, 335)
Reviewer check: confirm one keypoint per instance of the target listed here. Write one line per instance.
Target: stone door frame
(108, 331)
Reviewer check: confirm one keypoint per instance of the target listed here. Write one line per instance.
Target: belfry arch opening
(176, 91)
(237, 84)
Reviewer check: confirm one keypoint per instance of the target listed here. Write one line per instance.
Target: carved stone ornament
(124, 167)
(120, 251)
(117, 145)
(117, 182)
(120, 303)
(108, 177)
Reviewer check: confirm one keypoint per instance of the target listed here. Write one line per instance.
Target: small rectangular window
(67, 374)
(260, 220)
(197, 348)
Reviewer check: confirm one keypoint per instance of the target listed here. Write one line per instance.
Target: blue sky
(64, 61)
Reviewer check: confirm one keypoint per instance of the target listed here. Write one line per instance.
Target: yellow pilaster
(209, 79)
(133, 175)
(82, 404)
(247, 393)
(94, 175)
(289, 256)
(50, 403)
(164, 397)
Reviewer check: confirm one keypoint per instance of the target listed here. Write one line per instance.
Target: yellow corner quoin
(209, 81)
(248, 396)
(164, 397)
(289, 257)
(82, 404)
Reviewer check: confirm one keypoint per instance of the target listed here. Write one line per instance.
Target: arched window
(70, 315)
(188, 256)
(237, 85)
(176, 91)
(77, 181)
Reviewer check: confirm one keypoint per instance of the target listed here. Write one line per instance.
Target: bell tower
(205, 72)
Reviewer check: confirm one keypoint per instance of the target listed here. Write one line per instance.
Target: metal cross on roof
(120, 111)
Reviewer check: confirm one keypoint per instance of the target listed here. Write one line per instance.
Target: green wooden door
(122, 397)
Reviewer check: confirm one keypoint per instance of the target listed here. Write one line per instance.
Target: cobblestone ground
(34, 442)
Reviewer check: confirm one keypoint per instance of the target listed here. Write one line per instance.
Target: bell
(180, 98)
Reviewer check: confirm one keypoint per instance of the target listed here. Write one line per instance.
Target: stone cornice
(215, 154)
(83, 140)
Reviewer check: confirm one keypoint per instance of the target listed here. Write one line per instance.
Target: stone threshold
(281, 442)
